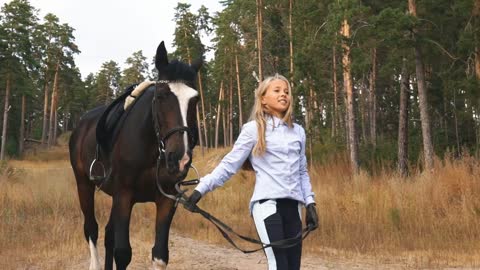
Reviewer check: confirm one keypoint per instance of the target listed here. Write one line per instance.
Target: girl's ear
(262, 100)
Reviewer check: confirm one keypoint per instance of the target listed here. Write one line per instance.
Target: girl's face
(276, 98)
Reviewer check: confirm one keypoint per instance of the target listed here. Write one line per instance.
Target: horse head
(175, 111)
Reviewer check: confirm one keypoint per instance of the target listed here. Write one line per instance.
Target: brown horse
(148, 149)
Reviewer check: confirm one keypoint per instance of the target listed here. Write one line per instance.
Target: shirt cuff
(202, 187)
(309, 200)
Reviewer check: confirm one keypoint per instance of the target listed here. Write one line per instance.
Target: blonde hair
(261, 112)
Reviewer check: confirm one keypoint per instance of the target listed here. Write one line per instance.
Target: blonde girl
(275, 147)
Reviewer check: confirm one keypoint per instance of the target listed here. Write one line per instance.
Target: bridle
(162, 140)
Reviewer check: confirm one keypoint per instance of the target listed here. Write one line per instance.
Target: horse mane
(177, 71)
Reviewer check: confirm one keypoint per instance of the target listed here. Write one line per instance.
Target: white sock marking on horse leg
(94, 260)
(159, 264)
(184, 94)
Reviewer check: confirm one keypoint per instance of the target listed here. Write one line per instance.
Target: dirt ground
(186, 253)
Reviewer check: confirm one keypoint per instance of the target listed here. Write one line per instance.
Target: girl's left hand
(312, 217)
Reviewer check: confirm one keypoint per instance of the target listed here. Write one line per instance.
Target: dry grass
(426, 219)
(432, 217)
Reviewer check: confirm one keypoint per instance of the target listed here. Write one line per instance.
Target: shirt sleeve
(304, 177)
(232, 162)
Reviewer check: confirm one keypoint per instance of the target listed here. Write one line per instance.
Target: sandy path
(186, 253)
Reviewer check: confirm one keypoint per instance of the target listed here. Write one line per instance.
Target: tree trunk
(199, 130)
(422, 96)
(55, 129)
(363, 108)
(45, 109)
(210, 124)
(230, 107)
(6, 108)
(224, 125)
(457, 136)
(260, 38)
(335, 94)
(290, 37)
(373, 99)
(239, 93)
(53, 107)
(403, 122)
(348, 85)
(476, 20)
(307, 108)
(444, 119)
(204, 116)
(219, 109)
(21, 137)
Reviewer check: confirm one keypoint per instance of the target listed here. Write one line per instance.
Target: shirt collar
(275, 121)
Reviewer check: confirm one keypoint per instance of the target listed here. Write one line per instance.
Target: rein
(223, 228)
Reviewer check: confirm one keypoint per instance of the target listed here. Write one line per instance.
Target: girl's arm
(232, 162)
(304, 177)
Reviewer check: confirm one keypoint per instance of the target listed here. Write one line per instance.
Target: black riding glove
(191, 203)
(312, 217)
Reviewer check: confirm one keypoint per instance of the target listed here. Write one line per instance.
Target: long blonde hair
(260, 112)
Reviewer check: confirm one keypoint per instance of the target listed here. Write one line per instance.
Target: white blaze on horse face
(159, 264)
(184, 94)
(94, 260)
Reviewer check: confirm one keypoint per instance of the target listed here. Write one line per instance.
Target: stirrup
(97, 177)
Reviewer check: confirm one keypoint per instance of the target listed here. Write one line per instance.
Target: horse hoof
(159, 264)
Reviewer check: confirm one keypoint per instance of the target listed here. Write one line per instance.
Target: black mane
(178, 71)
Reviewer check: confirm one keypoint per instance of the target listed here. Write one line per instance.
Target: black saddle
(100, 168)
(110, 119)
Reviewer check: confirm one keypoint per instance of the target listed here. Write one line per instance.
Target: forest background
(388, 92)
(390, 83)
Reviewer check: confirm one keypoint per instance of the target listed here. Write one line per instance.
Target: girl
(275, 147)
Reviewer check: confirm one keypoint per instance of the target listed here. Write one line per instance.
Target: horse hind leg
(86, 193)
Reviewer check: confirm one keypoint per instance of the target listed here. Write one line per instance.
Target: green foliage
(446, 32)
(136, 71)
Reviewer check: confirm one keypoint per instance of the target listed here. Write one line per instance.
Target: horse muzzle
(177, 164)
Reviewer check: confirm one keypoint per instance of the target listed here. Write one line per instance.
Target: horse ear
(197, 64)
(161, 58)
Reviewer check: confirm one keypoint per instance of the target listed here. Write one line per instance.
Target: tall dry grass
(430, 219)
(41, 225)
(430, 216)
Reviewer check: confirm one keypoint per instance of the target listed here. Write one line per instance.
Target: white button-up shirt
(281, 172)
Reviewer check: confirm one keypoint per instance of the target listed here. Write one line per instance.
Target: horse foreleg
(165, 212)
(86, 192)
(109, 243)
(122, 209)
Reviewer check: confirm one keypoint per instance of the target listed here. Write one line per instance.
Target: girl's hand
(191, 203)
(312, 217)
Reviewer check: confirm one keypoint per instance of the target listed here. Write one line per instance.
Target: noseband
(162, 140)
